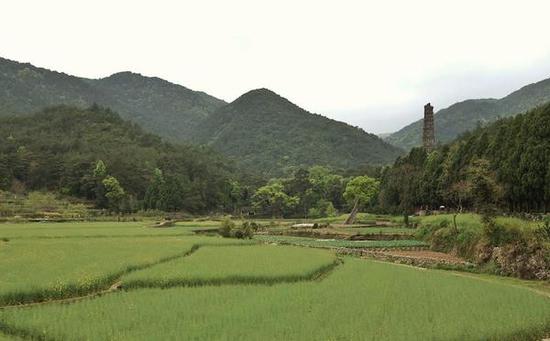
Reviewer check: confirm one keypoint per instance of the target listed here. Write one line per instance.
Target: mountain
(169, 110)
(264, 131)
(467, 115)
(58, 148)
(261, 129)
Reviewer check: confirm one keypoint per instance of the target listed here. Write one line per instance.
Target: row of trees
(311, 193)
(512, 157)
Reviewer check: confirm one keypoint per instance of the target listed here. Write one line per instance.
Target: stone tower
(428, 135)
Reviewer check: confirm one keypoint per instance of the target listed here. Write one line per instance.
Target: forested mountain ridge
(59, 148)
(166, 109)
(513, 152)
(267, 132)
(467, 115)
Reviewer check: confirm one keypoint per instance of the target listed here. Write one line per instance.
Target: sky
(372, 64)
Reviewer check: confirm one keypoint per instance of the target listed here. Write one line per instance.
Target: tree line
(511, 156)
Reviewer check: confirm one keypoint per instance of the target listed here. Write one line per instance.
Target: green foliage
(40, 205)
(543, 232)
(72, 151)
(169, 110)
(504, 165)
(272, 199)
(468, 115)
(113, 192)
(266, 132)
(226, 228)
(361, 189)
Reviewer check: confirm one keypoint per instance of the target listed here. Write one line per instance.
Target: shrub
(466, 241)
(443, 239)
(497, 234)
(543, 232)
(226, 228)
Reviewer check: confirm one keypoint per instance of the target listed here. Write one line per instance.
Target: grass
(376, 230)
(235, 264)
(337, 243)
(473, 221)
(42, 269)
(90, 229)
(360, 300)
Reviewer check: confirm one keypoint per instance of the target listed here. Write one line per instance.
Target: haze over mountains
(260, 129)
(467, 115)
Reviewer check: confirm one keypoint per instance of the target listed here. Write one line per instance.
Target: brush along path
(361, 300)
(44, 270)
(222, 265)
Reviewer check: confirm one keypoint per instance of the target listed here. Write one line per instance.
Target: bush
(497, 235)
(466, 241)
(227, 227)
(444, 239)
(228, 230)
(543, 232)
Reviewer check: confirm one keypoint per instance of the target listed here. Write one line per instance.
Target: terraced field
(174, 287)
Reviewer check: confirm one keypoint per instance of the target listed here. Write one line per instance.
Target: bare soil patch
(427, 255)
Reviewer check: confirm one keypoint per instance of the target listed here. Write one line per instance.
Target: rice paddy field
(123, 281)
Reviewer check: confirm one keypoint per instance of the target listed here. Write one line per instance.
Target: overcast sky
(369, 63)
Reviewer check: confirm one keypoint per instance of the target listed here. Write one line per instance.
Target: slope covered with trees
(467, 115)
(265, 131)
(510, 157)
(94, 154)
(166, 109)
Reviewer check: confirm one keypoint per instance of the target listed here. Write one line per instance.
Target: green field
(184, 286)
(337, 243)
(229, 265)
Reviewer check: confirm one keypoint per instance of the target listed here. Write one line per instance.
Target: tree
(360, 191)
(155, 194)
(113, 192)
(460, 193)
(272, 198)
(98, 175)
(486, 192)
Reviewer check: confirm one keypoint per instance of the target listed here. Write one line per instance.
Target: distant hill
(467, 115)
(169, 110)
(57, 149)
(265, 131)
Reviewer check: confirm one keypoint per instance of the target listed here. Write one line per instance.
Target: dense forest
(95, 155)
(260, 130)
(511, 156)
(465, 116)
(265, 131)
(158, 106)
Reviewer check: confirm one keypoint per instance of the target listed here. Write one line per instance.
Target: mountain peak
(261, 92)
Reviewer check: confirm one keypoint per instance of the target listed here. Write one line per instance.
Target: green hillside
(467, 115)
(515, 151)
(166, 109)
(58, 150)
(265, 131)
